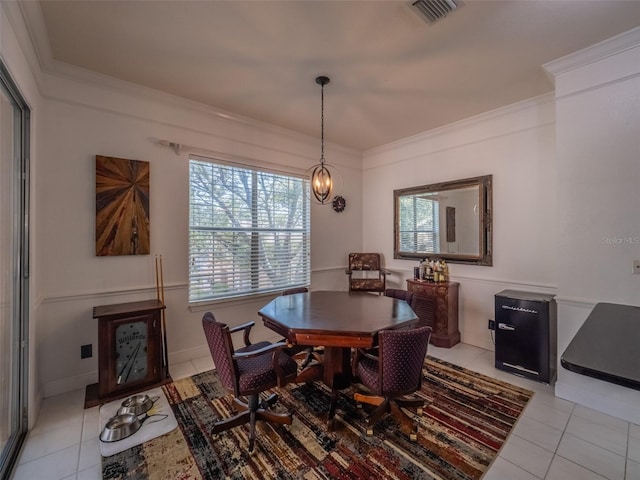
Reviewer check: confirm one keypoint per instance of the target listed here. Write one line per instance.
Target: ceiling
(392, 73)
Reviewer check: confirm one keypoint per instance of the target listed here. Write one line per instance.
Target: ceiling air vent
(435, 10)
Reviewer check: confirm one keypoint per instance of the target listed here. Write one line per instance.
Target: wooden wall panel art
(122, 207)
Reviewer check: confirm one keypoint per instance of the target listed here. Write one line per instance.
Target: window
(419, 224)
(248, 231)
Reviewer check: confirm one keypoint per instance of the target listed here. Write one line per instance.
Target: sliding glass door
(14, 241)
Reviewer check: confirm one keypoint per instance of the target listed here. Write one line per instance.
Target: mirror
(450, 220)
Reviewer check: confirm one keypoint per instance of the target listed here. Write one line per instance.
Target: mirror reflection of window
(419, 224)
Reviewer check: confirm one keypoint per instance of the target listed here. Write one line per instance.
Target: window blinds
(248, 231)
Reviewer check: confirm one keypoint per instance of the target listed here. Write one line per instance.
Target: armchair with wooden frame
(361, 265)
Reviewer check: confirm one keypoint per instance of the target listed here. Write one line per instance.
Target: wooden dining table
(338, 321)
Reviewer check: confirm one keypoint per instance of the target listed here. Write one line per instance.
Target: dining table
(338, 321)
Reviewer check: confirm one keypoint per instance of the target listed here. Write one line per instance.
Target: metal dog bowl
(138, 404)
(121, 426)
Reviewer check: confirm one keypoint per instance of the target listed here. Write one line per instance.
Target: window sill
(230, 302)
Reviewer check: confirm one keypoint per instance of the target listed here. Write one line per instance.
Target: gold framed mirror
(448, 220)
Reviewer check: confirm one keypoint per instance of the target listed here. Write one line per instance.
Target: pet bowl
(138, 404)
(121, 426)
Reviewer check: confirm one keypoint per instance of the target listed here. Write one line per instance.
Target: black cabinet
(526, 334)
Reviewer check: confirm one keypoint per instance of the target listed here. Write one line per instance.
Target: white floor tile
(602, 430)
(632, 471)
(536, 432)
(55, 466)
(633, 448)
(549, 399)
(548, 415)
(91, 423)
(463, 354)
(592, 457)
(182, 370)
(203, 364)
(54, 419)
(92, 473)
(44, 444)
(563, 469)
(89, 454)
(527, 455)
(503, 469)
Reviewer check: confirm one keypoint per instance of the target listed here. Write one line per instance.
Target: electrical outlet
(636, 266)
(86, 351)
(491, 325)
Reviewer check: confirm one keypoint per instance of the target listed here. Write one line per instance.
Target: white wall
(83, 120)
(598, 131)
(517, 146)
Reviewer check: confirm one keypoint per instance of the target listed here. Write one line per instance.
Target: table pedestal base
(334, 371)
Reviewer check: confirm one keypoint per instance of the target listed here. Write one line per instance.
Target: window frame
(254, 230)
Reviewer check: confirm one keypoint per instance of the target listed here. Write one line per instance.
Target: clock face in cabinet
(131, 363)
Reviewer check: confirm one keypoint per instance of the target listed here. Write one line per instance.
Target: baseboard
(188, 354)
(68, 384)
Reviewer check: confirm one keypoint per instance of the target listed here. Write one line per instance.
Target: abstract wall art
(122, 207)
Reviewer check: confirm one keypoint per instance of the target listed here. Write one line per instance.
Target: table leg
(337, 375)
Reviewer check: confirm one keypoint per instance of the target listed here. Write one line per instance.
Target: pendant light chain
(322, 123)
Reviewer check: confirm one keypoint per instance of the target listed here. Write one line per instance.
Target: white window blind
(419, 225)
(248, 231)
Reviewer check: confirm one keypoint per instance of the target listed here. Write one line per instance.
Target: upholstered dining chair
(394, 372)
(247, 372)
(361, 265)
(424, 307)
(405, 295)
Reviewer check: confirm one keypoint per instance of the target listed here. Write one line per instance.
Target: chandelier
(324, 178)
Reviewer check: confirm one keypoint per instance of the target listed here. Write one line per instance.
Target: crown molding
(594, 53)
(449, 135)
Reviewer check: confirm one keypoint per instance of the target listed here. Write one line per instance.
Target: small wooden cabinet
(130, 350)
(445, 324)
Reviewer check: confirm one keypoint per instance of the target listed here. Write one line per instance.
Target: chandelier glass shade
(324, 178)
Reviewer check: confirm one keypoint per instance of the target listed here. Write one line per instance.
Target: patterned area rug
(467, 419)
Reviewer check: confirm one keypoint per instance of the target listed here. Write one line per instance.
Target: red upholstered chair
(425, 309)
(292, 291)
(361, 265)
(394, 372)
(405, 295)
(246, 372)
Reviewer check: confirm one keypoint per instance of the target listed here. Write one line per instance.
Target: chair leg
(384, 405)
(253, 406)
(269, 401)
(231, 422)
(250, 412)
(368, 399)
(407, 425)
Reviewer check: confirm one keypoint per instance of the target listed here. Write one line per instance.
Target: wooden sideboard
(445, 323)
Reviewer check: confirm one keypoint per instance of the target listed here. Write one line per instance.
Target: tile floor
(554, 439)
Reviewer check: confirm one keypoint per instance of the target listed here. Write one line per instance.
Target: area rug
(468, 417)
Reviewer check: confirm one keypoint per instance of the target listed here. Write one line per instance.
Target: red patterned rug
(467, 419)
